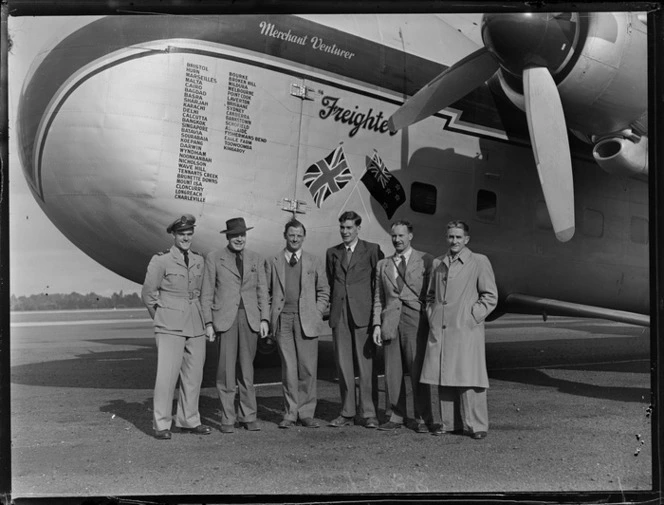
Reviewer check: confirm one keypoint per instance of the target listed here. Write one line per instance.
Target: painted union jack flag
(327, 176)
(382, 185)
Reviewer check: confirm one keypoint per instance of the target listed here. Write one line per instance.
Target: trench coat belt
(191, 295)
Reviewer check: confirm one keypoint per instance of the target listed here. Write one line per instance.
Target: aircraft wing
(549, 307)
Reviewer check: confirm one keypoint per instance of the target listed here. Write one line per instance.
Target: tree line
(73, 301)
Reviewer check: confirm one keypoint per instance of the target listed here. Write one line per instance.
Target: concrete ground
(568, 409)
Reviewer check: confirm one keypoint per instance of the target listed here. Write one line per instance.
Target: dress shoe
(478, 435)
(251, 426)
(201, 429)
(228, 428)
(389, 426)
(162, 434)
(440, 431)
(286, 423)
(341, 421)
(309, 422)
(371, 422)
(422, 428)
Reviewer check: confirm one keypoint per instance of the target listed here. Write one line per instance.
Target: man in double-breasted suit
(401, 327)
(171, 293)
(299, 295)
(236, 310)
(351, 268)
(461, 294)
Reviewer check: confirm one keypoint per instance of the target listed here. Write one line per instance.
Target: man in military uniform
(171, 292)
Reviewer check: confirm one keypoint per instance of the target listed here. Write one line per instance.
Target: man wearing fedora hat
(236, 311)
(171, 292)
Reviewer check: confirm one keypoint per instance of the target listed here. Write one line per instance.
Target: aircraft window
(542, 218)
(638, 230)
(423, 198)
(486, 205)
(593, 223)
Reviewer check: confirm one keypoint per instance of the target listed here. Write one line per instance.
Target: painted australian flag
(327, 176)
(382, 185)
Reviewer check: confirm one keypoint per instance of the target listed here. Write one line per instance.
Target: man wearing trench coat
(462, 293)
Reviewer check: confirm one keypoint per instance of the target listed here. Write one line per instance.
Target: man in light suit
(351, 268)
(299, 294)
(171, 294)
(236, 311)
(401, 327)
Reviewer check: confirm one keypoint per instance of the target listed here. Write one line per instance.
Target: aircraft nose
(522, 39)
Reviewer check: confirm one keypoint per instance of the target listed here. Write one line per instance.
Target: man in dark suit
(236, 309)
(299, 292)
(350, 268)
(401, 326)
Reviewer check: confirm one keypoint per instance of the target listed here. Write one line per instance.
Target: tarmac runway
(568, 405)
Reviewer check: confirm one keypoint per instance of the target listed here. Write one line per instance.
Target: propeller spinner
(532, 48)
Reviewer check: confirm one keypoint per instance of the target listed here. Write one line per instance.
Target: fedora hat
(235, 226)
(186, 222)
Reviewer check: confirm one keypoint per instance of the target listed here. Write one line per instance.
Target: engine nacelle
(600, 74)
(622, 156)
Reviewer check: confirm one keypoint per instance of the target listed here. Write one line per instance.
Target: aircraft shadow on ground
(511, 361)
(135, 368)
(541, 378)
(526, 362)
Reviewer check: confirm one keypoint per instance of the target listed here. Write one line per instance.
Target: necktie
(238, 262)
(401, 272)
(293, 260)
(186, 258)
(349, 254)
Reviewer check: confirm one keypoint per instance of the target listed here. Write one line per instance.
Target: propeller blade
(548, 136)
(448, 87)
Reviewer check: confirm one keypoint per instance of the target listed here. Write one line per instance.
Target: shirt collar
(406, 254)
(177, 252)
(352, 245)
(462, 256)
(288, 254)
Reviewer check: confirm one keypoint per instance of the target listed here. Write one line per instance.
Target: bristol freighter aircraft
(531, 127)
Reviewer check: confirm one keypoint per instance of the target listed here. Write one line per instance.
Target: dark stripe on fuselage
(372, 63)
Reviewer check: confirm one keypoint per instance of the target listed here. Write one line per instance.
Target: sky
(41, 259)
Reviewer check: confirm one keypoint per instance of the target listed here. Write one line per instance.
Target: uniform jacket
(355, 284)
(314, 292)
(222, 289)
(388, 300)
(457, 305)
(171, 292)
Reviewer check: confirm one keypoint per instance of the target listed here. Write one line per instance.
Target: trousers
(181, 357)
(237, 346)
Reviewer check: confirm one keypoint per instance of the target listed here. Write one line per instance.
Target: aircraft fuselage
(222, 117)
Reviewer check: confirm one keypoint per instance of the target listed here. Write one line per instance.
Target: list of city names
(193, 159)
(239, 96)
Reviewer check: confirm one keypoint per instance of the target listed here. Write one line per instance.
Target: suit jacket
(459, 298)
(314, 292)
(388, 300)
(171, 292)
(353, 285)
(223, 288)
